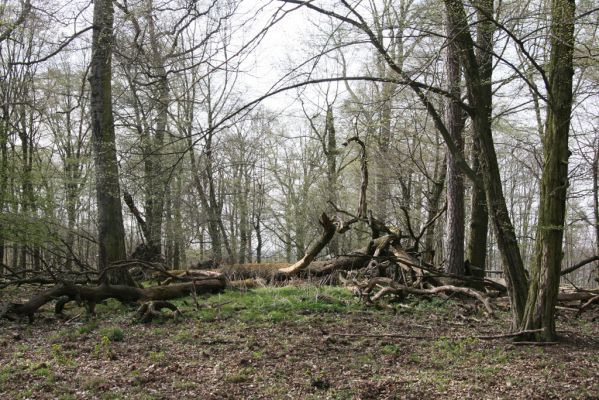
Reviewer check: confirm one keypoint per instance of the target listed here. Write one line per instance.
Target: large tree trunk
(595, 167)
(504, 229)
(111, 233)
(476, 249)
(156, 178)
(542, 295)
(454, 242)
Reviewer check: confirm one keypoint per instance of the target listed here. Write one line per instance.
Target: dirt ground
(294, 343)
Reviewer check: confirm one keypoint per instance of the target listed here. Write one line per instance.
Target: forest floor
(293, 343)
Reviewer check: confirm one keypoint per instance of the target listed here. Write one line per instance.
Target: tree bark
(545, 277)
(330, 149)
(454, 242)
(476, 249)
(595, 167)
(4, 126)
(504, 229)
(434, 201)
(111, 233)
(93, 295)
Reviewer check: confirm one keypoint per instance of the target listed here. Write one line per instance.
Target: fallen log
(183, 275)
(575, 296)
(92, 295)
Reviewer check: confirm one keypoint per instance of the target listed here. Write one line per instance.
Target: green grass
(454, 348)
(6, 374)
(243, 375)
(61, 356)
(391, 349)
(88, 327)
(65, 335)
(114, 334)
(44, 372)
(157, 356)
(275, 304)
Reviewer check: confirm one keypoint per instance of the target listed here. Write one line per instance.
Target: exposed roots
(153, 309)
(377, 288)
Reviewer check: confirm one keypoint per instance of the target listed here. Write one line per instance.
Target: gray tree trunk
(595, 167)
(454, 241)
(476, 248)
(111, 233)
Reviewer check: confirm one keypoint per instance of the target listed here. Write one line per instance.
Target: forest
(341, 199)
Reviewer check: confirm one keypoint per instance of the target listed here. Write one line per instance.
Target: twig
(587, 304)
(508, 335)
(401, 336)
(73, 318)
(534, 343)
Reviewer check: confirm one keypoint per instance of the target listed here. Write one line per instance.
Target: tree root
(388, 286)
(153, 309)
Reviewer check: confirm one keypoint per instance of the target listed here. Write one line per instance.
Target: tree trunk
(111, 233)
(504, 229)
(330, 142)
(476, 250)
(433, 207)
(595, 167)
(506, 237)
(545, 277)
(258, 231)
(454, 242)
(156, 180)
(244, 226)
(178, 246)
(93, 295)
(4, 124)
(213, 227)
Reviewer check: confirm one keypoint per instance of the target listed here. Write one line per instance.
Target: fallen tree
(90, 296)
